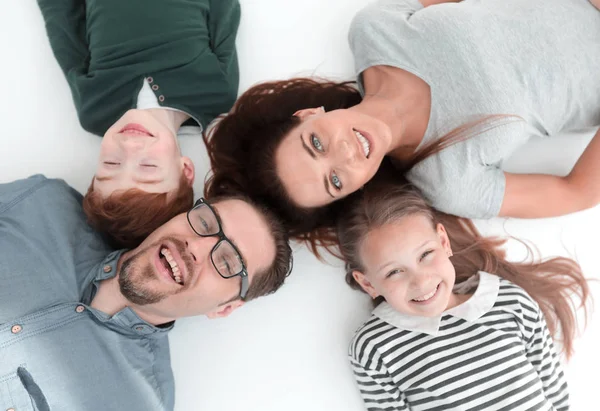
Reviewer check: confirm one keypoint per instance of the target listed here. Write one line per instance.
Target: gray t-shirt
(535, 59)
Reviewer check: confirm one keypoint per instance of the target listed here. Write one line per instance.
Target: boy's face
(140, 152)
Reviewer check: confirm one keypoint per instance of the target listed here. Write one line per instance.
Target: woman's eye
(335, 180)
(316, 143)
(111, 163)
(148, 165)
(425, 254)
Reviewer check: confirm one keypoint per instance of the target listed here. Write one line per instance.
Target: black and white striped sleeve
(378, 391)
(543, 356)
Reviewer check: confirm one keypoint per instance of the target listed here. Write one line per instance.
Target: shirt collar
(125, 321)
(482, 301)
(107, 268)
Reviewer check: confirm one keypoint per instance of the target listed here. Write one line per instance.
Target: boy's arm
(66, 29)
(223, 22)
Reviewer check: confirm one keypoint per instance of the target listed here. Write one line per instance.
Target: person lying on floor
(138, 71)
(83, 327)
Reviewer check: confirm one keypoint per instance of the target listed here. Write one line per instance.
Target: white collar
(482, 301)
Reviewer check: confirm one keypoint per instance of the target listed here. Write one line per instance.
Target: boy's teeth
(364, 142)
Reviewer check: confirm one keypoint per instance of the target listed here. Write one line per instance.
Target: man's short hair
(127, 217)
(269, 279)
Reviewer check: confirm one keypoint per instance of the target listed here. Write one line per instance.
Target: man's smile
(170, 264)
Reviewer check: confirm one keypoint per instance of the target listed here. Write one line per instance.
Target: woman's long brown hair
(551, 283)
(241, 148)
(242, 145)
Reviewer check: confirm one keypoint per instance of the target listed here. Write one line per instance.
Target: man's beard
(133, 278)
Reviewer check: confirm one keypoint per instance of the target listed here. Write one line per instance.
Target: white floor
(287, 351)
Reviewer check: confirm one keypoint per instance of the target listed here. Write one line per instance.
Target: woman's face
(330, 155)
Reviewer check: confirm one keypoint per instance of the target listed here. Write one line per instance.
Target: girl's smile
(406, 261)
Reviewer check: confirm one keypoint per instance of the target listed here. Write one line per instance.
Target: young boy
(138, 71)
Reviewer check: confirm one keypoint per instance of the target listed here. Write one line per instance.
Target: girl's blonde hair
(551, 283)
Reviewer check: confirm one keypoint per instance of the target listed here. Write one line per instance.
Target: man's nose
(200, 247)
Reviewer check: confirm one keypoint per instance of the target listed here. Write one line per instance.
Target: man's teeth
(426, 296)
(365, 143)
(174, 267)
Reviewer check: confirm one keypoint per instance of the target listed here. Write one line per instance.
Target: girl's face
(330, 155)
(407, 262)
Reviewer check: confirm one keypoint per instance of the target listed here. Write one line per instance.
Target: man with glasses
(83, 327)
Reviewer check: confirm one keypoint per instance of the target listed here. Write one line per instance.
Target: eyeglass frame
(222, 238)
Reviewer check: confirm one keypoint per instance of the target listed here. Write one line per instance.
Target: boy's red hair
(127, 217)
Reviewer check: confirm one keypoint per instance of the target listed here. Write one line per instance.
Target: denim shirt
(56, 352)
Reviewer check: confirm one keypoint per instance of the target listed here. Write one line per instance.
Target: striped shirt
(493, 352)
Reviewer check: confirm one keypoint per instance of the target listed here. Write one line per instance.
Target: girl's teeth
(427, 296)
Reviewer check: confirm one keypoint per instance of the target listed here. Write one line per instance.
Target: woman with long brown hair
(455, 323)
(446, 92)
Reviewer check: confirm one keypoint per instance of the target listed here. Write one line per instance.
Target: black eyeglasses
(226, 258)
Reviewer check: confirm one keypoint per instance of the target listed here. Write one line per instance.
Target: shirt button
(16, 329)
(80, 308)
(161, 98)
(107, 268)
(149, 80)
(155, 87)
(139, 328)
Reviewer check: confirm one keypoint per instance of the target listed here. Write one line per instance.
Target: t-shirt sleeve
(377, 389)
(381, 33)
(466, 179)
(543, 357)
(459, 188)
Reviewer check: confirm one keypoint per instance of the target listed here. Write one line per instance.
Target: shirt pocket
(17, 391)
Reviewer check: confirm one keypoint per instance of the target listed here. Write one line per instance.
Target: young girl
(138, 71)
(457, 326)
(446, 93)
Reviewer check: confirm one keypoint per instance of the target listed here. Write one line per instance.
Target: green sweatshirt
(184, 48)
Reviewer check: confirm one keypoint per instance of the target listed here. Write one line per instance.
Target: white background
(287, 351)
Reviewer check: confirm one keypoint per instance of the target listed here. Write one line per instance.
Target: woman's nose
(345, 152)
